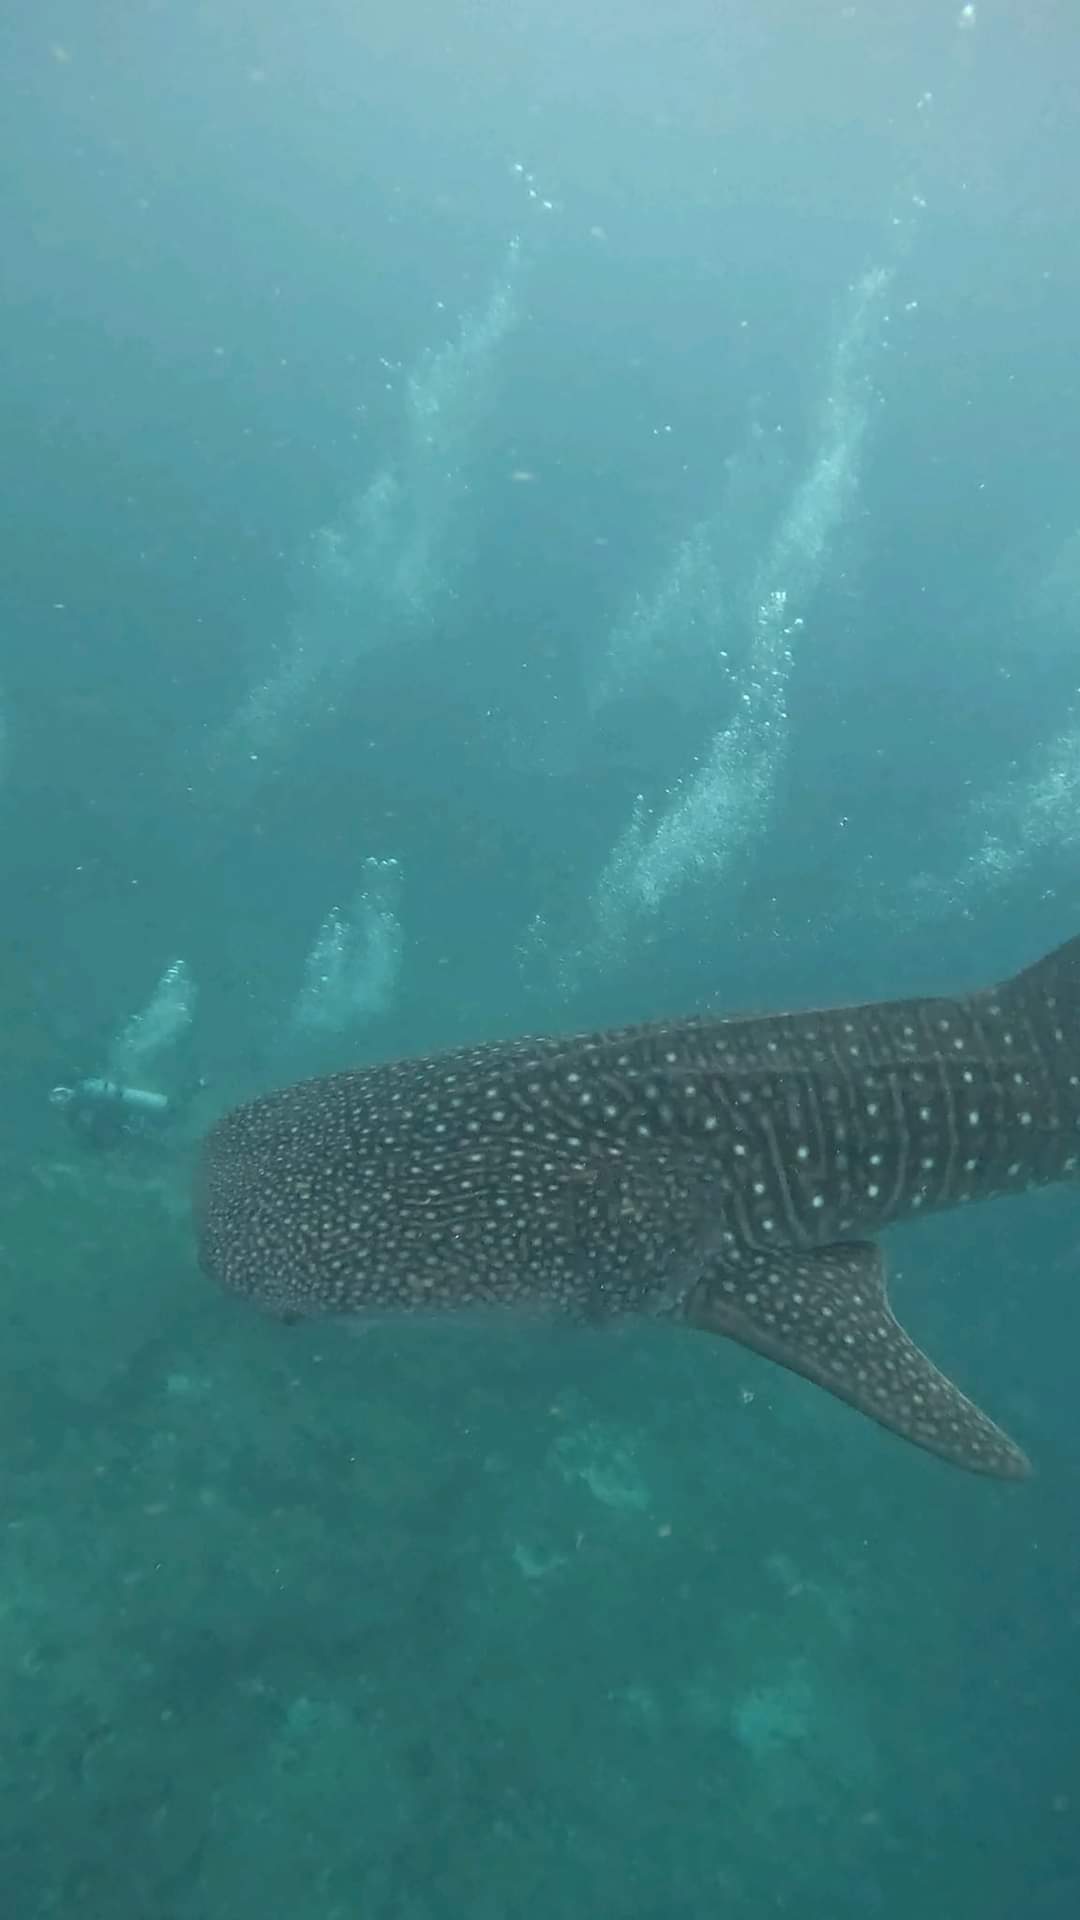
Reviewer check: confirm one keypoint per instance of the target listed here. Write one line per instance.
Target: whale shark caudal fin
(825, 1313)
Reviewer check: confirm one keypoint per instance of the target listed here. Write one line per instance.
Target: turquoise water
(519, 518)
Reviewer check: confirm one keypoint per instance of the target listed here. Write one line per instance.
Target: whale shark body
(728, 1173)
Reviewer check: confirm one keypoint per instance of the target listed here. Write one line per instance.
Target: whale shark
(732, 1174)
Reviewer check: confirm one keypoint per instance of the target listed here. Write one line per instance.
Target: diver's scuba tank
(103, 1112)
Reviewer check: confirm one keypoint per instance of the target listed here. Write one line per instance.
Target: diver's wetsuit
(104, 1115)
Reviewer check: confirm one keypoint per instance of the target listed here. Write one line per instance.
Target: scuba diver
(106, 1114)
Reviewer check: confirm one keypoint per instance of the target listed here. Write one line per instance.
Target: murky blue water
(517, 518)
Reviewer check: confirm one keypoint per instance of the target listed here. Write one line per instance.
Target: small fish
(726, 1173)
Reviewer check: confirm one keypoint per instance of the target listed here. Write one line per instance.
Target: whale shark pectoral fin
(825, 1313)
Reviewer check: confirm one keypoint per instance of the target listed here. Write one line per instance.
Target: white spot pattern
(595, 1174)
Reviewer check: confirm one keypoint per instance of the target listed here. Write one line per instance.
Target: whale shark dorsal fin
(824, 1313)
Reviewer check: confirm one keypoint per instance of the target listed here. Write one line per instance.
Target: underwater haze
(521, 517)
